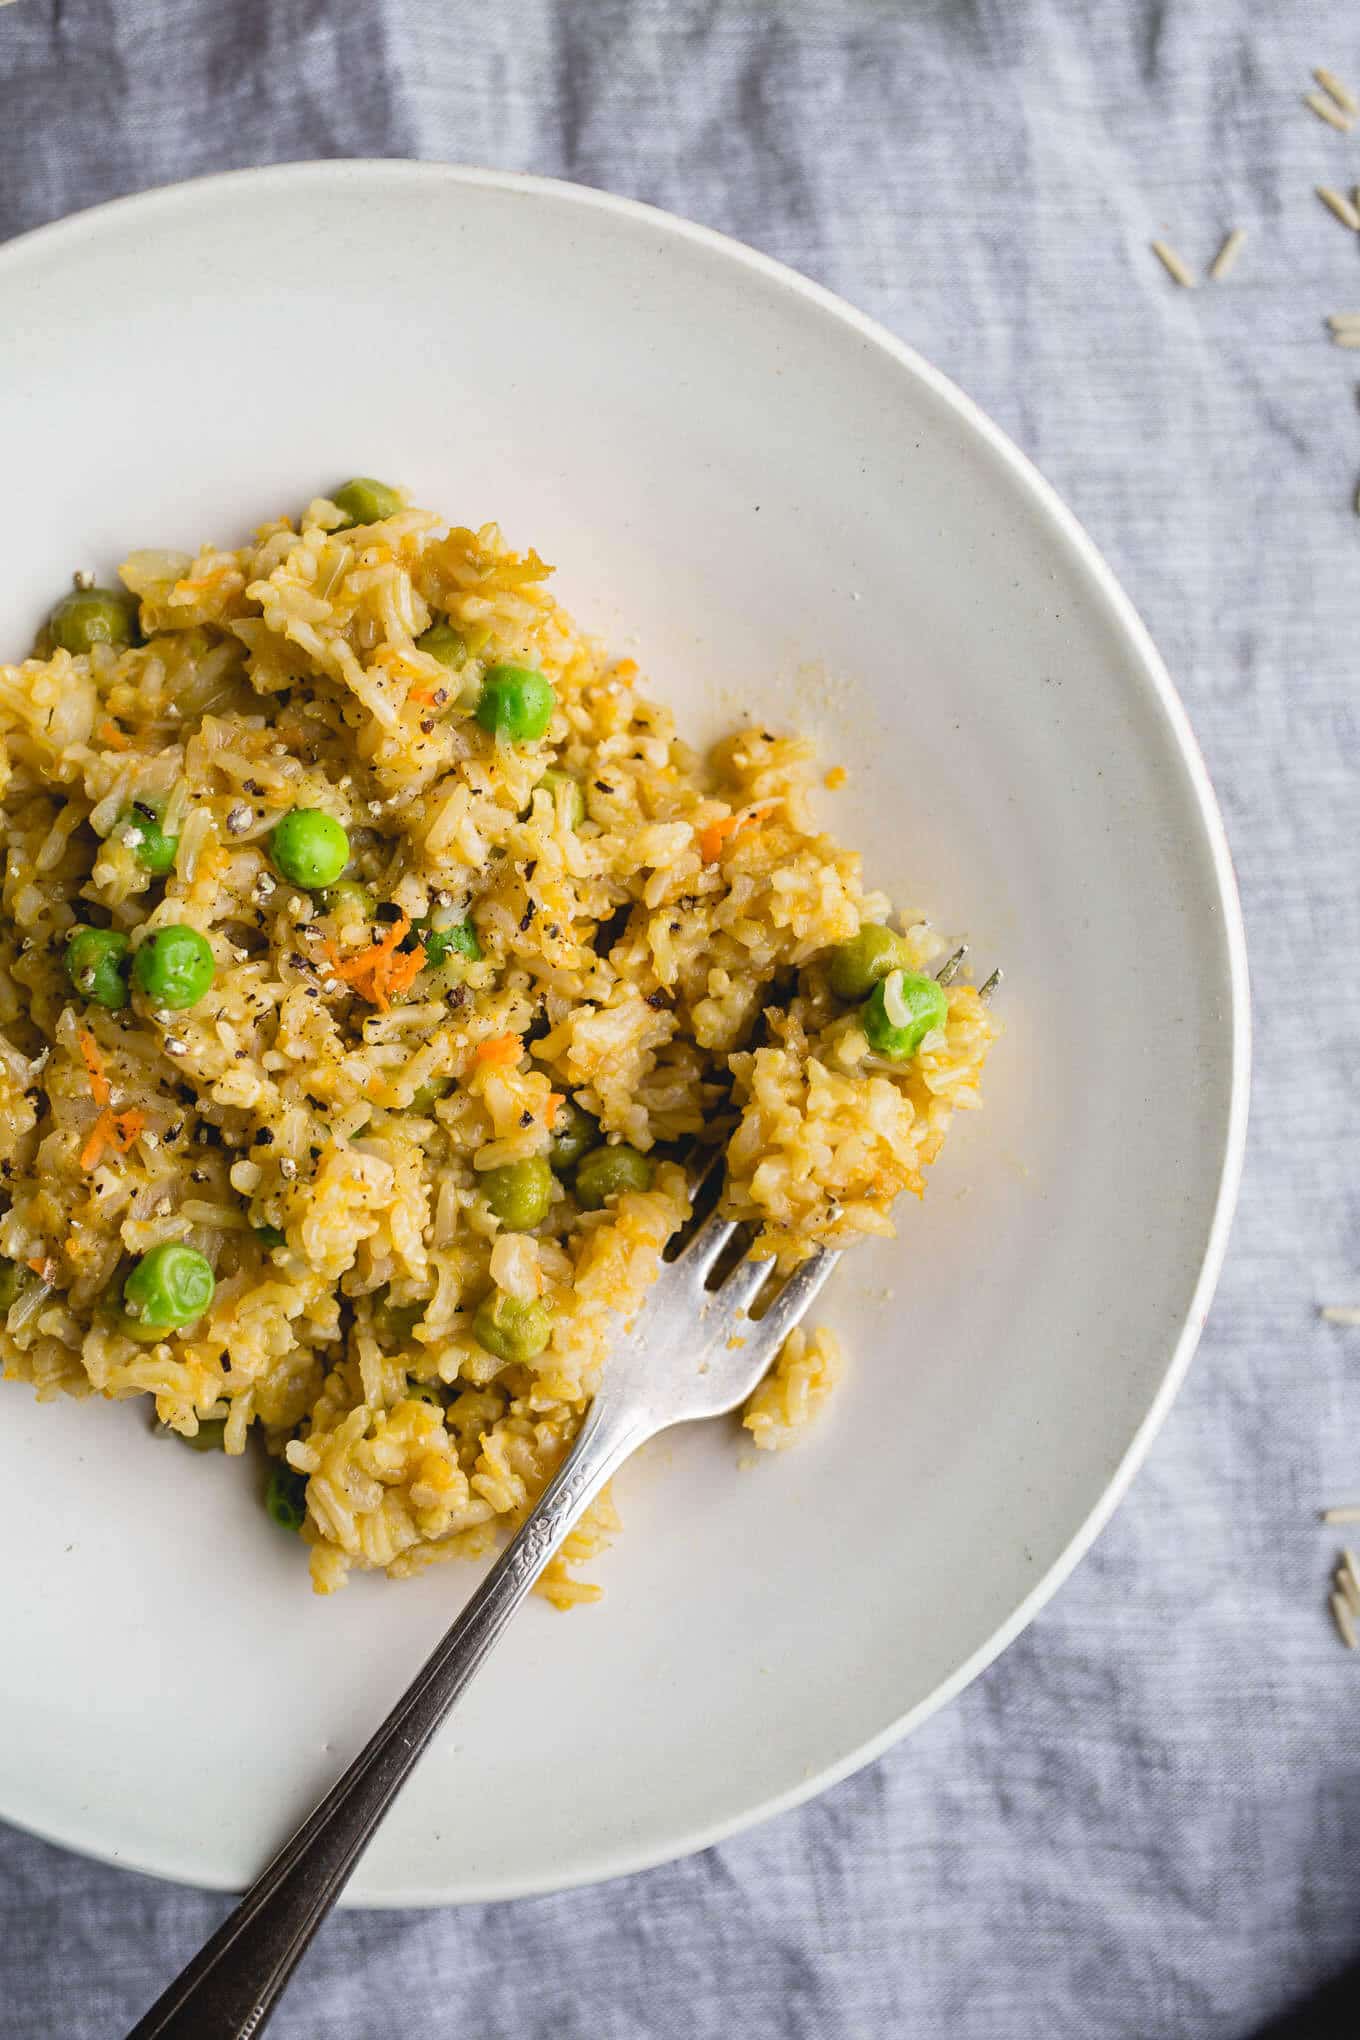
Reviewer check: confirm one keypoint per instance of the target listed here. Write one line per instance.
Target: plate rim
(626, 1860)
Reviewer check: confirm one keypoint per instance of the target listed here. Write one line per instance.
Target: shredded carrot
(112, 1129)
(715, 834)
(627, 669)
(198, 582)
(556, 1100)
(37, 1262)
(500, 1050)
(100, 1133)
(116, 739)
(424, 695)
(378, 973)
(94, 1063)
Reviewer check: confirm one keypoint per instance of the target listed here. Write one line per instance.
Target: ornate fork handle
(228, 1991)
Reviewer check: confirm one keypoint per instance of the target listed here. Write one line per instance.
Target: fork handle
(231, 1986)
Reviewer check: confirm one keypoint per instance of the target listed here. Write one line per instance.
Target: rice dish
(374, 952)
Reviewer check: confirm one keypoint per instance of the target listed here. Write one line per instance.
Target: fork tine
(698, 1256)
(949, 969)
(798, 1294)
(745, 1283)
(711, 1165)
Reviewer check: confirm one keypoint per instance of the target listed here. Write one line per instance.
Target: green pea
(515, 702)
(423, 1391)
(901, 1011)
(607, 1171)
(93, 616)
(365, 501)
(519, 1193)
(168, 1288)
(857, 965)
(573, 800)
(426, 1096)
(395, 1321)
(210, 1436)
(173, 967)
(440, 944)
(348, 897)
(139, 826)
(270, 1236)
(512, 1330)
(285, 1498)
(446, 644)
(574, 1133)
(309, 848)
(96, 960)
(13, 1279)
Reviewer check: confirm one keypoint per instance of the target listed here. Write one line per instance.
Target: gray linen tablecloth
(1144, 1820)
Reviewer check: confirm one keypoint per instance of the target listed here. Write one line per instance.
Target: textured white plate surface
(778, 509)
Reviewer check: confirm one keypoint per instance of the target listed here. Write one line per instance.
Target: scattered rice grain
(1328, 110)
(1226, 259)
(1333, 86)
(1338, 203)
(1173, 265)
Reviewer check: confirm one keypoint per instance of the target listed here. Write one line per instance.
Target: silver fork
(692, 1351)
(679, 1360)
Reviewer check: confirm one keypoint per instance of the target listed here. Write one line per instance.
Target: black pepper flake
(427, 727)
(530, 868)
(264, 1138)
(656, 1000)
(526, 1118)
(254, 787)
(198, 1175)
(527, 916)
(604, 786)
(315, 1154)
(172, 1133)
(297, 960)
(441, 695)
(554, 930)
(241, 1054)
(457, 997)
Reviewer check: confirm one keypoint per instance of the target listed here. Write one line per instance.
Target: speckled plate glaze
(779, 509)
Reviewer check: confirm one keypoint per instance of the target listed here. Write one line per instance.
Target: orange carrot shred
(94, 1063)
(36, 1262)
(500, 1050)
(116, 739)
(556, 1100)
(101, 1133)
(714, 834)
(379, 973)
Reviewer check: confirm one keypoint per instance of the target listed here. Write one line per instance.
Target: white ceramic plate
(779, 509)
